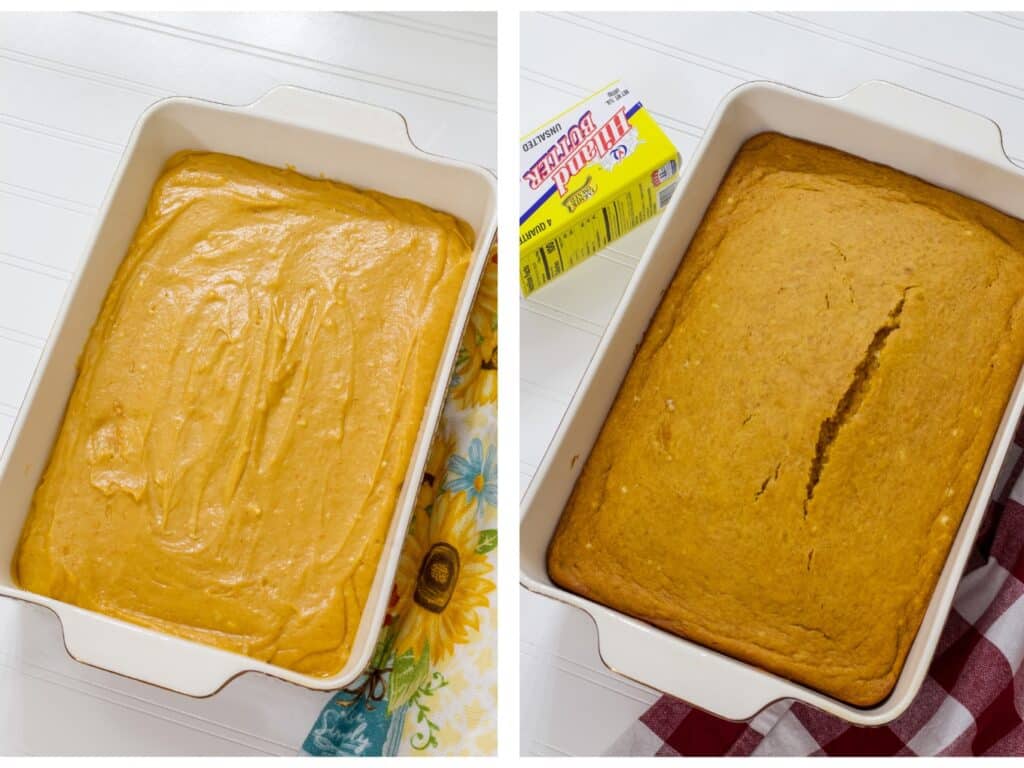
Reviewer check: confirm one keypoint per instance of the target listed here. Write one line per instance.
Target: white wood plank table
(680, 66)
(72, 88)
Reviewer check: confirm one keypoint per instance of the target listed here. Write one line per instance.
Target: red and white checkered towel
(971, 703)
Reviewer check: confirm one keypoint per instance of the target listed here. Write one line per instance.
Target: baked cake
(789, 457)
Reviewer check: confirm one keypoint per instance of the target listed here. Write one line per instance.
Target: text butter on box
(589, 176)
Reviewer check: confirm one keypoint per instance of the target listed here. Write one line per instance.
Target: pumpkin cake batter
(791, 453)
(246, 409)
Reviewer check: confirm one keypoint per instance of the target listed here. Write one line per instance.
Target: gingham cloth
(972, 700)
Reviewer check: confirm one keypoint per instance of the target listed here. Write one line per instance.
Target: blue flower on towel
(476, 475)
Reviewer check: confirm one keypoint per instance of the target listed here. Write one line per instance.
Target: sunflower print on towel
(431, 686)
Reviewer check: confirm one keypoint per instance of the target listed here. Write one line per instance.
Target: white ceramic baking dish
(931, 139)
(316, 133)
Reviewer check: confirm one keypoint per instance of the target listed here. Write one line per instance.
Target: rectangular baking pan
(930, 139)
(316, 133)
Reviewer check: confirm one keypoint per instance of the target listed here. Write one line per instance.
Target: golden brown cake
(788, 459)
(245, 411)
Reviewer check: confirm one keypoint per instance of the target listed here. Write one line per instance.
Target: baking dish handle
(685, 670)
(147, 656)
(929, 117)
(336, 114)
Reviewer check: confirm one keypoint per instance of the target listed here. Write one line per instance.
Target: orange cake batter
(794, 446)
(246, 409)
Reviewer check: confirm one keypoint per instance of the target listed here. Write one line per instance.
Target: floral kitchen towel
(432, 687)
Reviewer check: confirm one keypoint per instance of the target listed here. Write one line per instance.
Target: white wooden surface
(681, 66)
(71, 88)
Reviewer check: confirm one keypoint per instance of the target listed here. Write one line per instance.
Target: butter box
(588, 176)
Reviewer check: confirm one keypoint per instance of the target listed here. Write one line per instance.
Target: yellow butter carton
(588, 176)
